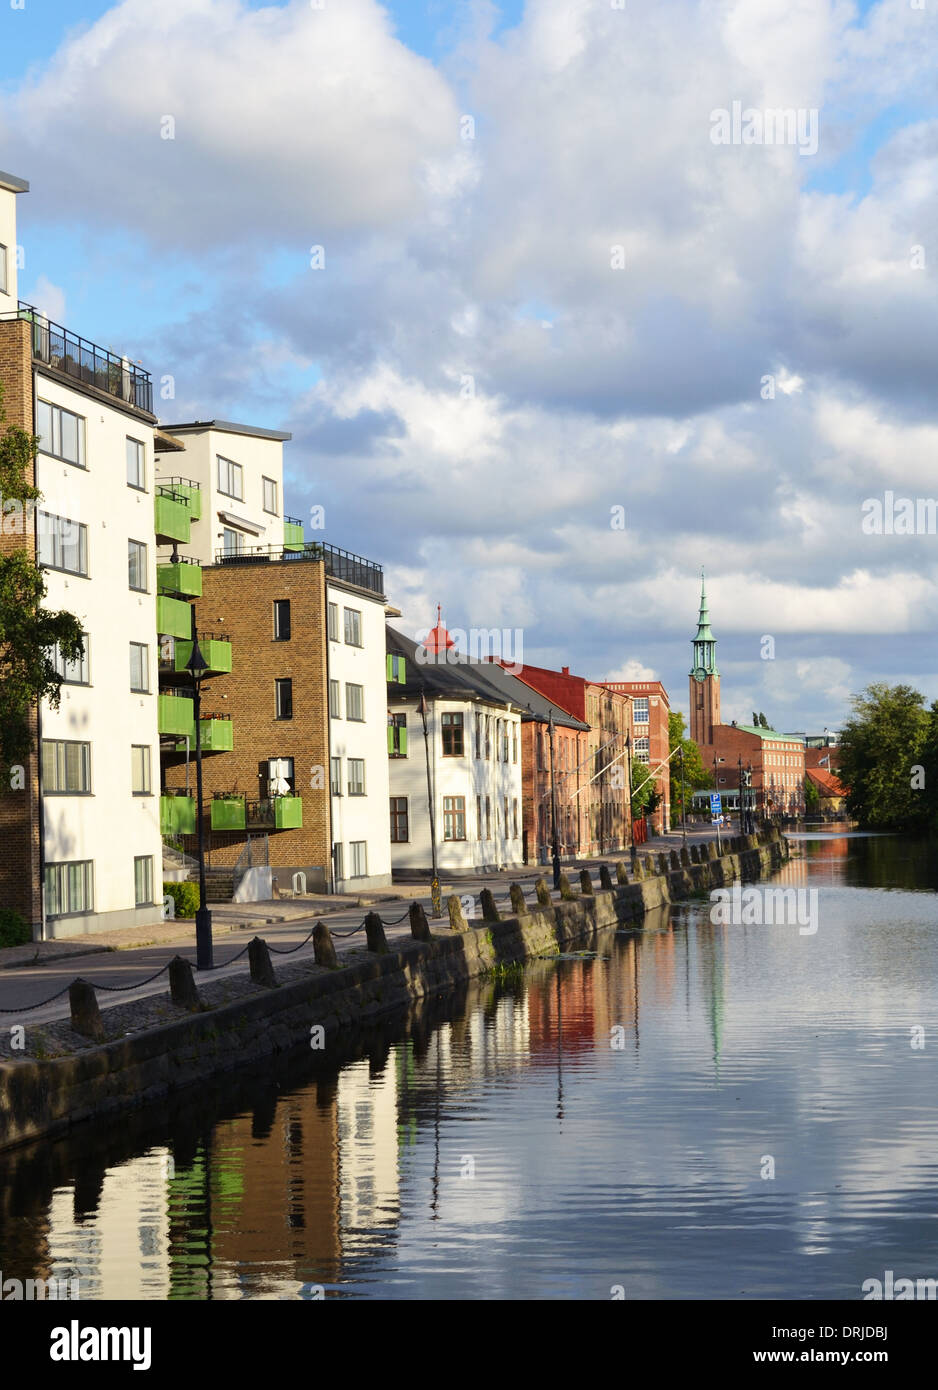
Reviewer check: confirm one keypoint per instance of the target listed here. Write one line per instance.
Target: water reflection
(598, 1121)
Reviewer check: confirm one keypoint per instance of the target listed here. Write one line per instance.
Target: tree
(886, 738)
(28, 632)
(812, 797)
(646, 797)
(696, 776)
(763, 722)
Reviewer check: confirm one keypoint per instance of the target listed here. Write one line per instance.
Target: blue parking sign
(715, 807)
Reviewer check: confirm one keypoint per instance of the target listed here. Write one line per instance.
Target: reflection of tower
(704, 678)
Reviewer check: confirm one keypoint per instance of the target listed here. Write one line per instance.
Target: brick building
(651, 737)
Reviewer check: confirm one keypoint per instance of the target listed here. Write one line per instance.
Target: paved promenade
(114, 960)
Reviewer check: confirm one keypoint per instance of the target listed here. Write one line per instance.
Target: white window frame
(54, 434)
(145, 667)
(146, 768)
(356, 614)
(146, 859)
(55, 780)
(142, 549)
(51, 529)
(350, 699)
(228, 473)
(140, 459)
(270, 482)
(61, 896)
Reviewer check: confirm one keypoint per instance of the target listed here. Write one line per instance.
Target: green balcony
(292, 533)
(193, 496)
(179, 578)
(288, 813)
(216, 736)
(175, 715)
(215, 650)
(173, 617)
(177, 815)
(171, 519)
(228, 814)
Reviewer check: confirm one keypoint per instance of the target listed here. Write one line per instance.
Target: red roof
(827, 783)
(438, 639)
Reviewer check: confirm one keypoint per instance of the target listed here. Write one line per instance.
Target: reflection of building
(369, 1185)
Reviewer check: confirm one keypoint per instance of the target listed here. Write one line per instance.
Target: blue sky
(470, 386)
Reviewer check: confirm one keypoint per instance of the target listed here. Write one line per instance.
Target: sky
(546, 342)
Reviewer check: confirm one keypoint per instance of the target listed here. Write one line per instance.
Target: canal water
(737, 1111)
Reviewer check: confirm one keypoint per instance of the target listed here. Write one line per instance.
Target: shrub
(185, 896)
(14, 930)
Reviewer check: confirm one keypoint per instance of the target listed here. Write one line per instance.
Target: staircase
(219, 884)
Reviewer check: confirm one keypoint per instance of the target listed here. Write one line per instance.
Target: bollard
(685, 858)
(586, 883)
(605, 877)
(675, 859)
(457, 921)
(566, 892)
(419, 926)
(542, 893)
(490, 912)
(622, 873)
(694, 857)
(664, 864)
(323, 948)
(518, 905)
(182, 985)
(262, 972)
(86, 1016)
(374, 932)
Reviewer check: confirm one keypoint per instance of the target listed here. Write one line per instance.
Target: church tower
(704, 678)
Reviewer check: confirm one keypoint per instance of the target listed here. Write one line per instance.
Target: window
(3, 270)
(270, 496)
(230, 479)
(354, 701)
(479, 815)
(640, 711)
(514, 743)
(72, 672)
(136, 465)
(356, 776)
(335, 776)
(232, 541)
(505, 821)
(478, 731)
(66, 767)
(488, 737)
(504, 740)
(337, 860)
(281, 620)
(63, 544)
(397, 670)
(140, 769)
(642, 749)
(143, 880)
(453, 738)
(514, 817)
(400, 831)
(454, 818)
(397, 735)
(61, 433)
(488, 818)
(283, 690)
(332, 615)
(358, 855)
(140, 667)
(335, 710)
(280, 771)
(69, 888)
(353, 627)
(137, 566)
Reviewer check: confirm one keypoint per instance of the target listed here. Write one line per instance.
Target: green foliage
(185, 896)
(14, 930)
(696, 776)
(645, 799)
(888, 735)
(28, 632)
(812, 797)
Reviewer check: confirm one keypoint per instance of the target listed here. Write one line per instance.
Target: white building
(473, 745)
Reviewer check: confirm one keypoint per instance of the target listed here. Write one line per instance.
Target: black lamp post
(436, 903)
(633, 852)
(197, 668)
(554, 847)
(683, 808)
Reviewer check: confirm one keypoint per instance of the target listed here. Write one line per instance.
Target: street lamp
(683, 801)
(436, 903)
(197, 668)
(555, 847)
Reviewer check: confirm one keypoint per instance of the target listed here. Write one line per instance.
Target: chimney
(565, 670)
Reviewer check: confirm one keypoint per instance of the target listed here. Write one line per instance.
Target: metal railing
(340, 564)
(96, 366)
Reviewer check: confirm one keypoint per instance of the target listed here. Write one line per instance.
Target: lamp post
(197, 667)
(436, 904)
(633, 852)
(683, 801)
(554, 846)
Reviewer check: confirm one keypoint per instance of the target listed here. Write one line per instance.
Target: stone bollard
(518, 905)
(675, 859)
(490, 912)
(419, 926)
(374, 934)
(566, 892)
(262, 972)
(605, 877)
(542, 893)
(622, 873)
(638, 868)
(457, 921)
(323, 947)
(712, 850)
(664, 864)
(86, 1016)
(694, 856)
(586, 883)
(182, 985)
(685, 858)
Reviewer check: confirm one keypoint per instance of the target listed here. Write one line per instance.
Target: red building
(650, 737)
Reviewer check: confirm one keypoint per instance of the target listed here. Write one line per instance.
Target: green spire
(705, 647)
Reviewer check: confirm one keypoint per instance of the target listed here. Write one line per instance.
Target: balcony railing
(187, 489)
(340, 564)
(95, 366)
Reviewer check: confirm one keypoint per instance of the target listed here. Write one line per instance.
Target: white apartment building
(98, 810)
(473, 745)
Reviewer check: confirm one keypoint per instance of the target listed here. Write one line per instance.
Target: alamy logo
(31, 1290)
(77, 1343)
(756, 907)
(774, 126)
(505, 644)
(892, 1288)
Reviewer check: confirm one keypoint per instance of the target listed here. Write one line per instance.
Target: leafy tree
(763, 722)
(696, 776)
(812, 797)
(888, 735)
(28, 632)
(645, 798)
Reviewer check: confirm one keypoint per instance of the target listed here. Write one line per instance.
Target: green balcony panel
(288, 813)
(193, 496)
(179, 579)
(177, 815)
(292, 535)
(216, 735)
(228, 815)
(217, 654)
(171, 519)
(173, 617)
(176, 716)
